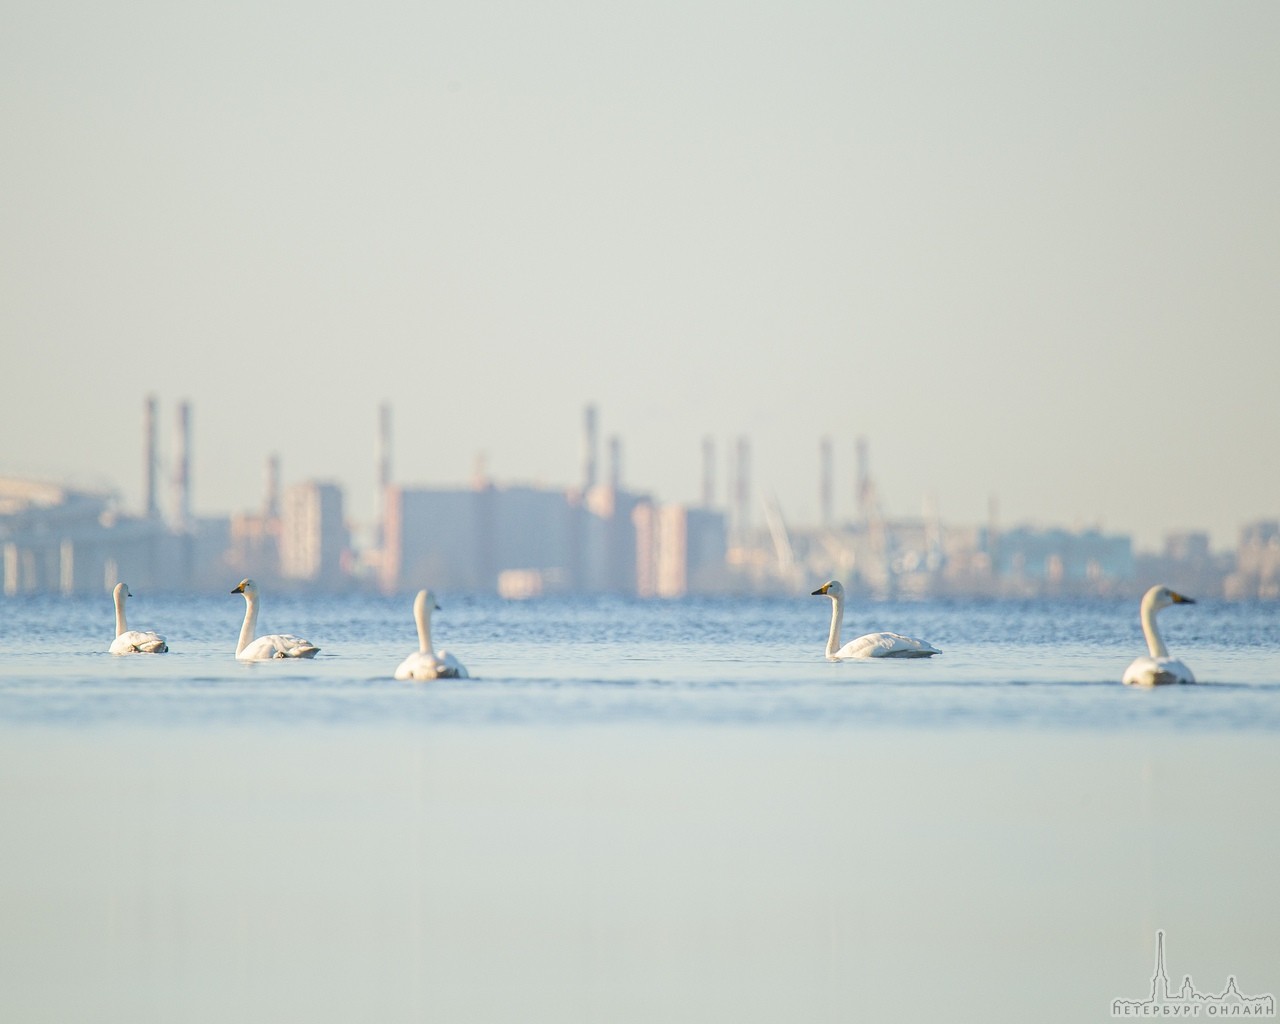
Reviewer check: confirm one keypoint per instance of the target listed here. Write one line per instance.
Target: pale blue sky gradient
(1026, 250)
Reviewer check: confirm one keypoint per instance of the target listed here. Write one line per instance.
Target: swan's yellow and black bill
(821, 590)
(1179, 599)
(239, 589)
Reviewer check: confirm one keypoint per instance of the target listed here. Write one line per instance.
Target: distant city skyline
(1028, 254)
(272, 478)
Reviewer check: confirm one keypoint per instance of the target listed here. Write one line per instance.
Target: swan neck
(837, 616)
(1155, 642)
(423, 617)
(120, 626)
(250, 622)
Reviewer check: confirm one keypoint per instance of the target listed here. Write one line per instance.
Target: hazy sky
(1029, 250)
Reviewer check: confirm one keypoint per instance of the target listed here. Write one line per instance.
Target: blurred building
(1187, 563)
(608, 541)
(465, 539)
(313, 534)
(1059, 561)
(1257, 563)
(596, 538)
(522, 541)
(679, 550)
(58, 539)
(253, 546)
(893, 558)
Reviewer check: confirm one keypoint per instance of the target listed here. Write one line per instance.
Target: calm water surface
(692, 662)
(635, 812)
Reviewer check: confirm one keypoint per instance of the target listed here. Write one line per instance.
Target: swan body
(1156, 667)
(133, 641)
(426, 662)
(873, 645)
(274, 645)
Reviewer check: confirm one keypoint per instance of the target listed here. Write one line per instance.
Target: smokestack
(824, 481)
(589, 471)
(271, 510)
(708, 472)
(383, 453)
(863, 481)
(742, 483)
(182, 470)
(149, 457)
(615, 463)
(382, 469)
(993, 529)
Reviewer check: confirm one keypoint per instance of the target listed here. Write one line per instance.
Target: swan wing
(133, 641)
(453, 667)
(278, 645)
(290, 646)
(422, 666)
(1149, 671)
(413, 667)
(887, 645)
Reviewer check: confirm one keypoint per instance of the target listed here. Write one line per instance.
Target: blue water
(635, 811)
(1036, 664)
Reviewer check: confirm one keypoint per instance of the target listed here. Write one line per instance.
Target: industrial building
(595, 537)
(63, 540)
(463, 540)
(524, 541)
(314, 543)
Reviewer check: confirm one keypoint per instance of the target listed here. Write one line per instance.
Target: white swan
(133, 641)
(426, 662)
(1157, 667)
(274, 645)
(873, 645)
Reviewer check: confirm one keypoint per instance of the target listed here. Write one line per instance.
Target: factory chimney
(742, 484)
(182, 471)
(863, 482)
(824, 482)
(708, 472)
(383, 453)
(615, 464)
(271, 509)
(382, 467)
(589, 470)
(150, 461)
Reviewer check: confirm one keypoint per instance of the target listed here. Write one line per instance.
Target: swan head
(833, 589)
(121, 591)
(246, 587)
(1161, 597)
(426, 601)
